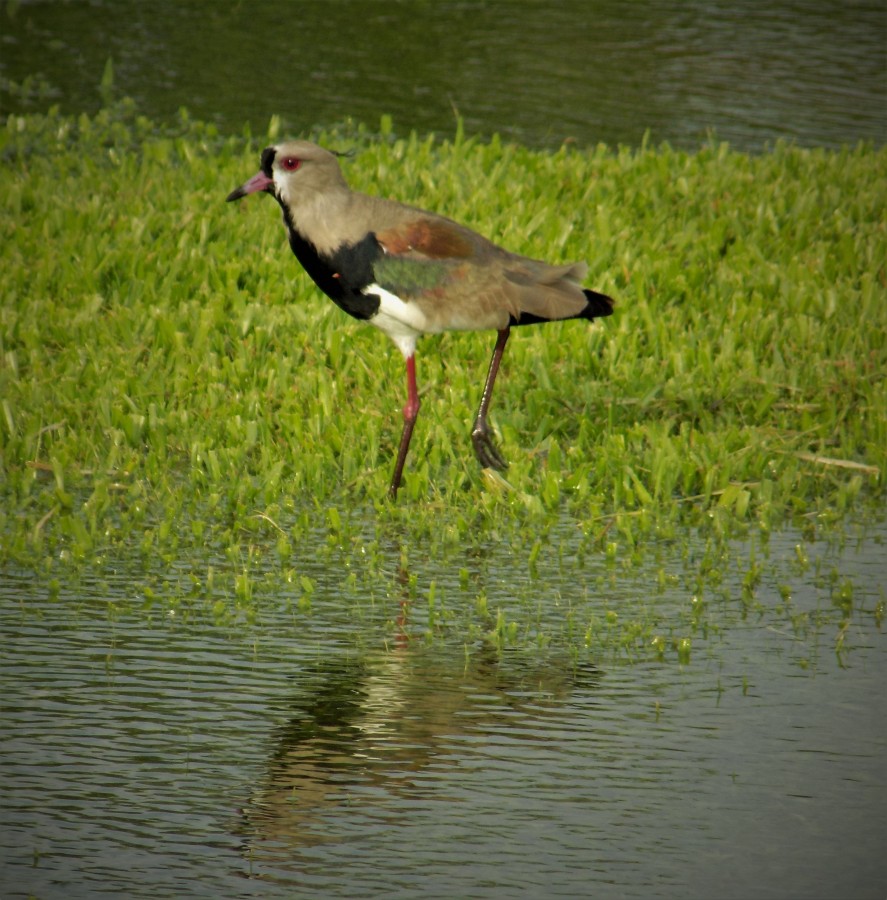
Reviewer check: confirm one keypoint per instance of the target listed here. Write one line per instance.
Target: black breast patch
(343, 275)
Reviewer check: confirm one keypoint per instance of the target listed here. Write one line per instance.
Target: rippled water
(813, 71)
(146, 758)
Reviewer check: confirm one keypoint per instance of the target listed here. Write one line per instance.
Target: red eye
(290, 163)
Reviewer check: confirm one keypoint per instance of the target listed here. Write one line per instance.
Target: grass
(173, 386)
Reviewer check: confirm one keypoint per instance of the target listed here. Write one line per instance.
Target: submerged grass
(171, 381)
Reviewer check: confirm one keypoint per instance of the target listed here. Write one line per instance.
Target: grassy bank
(169, 376)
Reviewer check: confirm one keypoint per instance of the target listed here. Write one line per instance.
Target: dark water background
(536, 72)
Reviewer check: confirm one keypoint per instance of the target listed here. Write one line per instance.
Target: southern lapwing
(412, 272)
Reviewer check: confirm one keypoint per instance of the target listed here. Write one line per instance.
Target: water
(536, 72)
(153, 757)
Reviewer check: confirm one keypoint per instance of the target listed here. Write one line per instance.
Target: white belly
(402, 322)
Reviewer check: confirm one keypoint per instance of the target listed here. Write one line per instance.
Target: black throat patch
(344, 274)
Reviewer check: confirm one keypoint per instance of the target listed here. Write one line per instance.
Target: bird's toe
(485, 449)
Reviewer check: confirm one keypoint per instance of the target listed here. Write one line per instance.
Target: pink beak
(259, 182)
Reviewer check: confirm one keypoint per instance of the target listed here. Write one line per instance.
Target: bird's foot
(485, 448)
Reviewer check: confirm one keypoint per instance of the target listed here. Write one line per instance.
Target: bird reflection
(364, 731)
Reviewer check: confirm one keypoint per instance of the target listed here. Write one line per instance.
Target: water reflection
(360, 733)
(147, 756)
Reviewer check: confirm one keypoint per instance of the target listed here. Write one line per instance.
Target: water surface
(146, 757)
(537, 72)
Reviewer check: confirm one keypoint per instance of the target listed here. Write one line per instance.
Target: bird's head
(292, 172)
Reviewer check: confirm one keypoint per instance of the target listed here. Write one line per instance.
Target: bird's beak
(259, 182)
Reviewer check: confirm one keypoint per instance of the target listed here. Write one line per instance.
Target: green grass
(171, 383)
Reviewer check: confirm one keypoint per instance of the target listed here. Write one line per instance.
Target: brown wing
(433, 238)
(473, 277)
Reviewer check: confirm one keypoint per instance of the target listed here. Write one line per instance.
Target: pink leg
(410, 413)
(485, 450)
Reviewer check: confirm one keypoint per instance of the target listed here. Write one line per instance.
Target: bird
(412, 272)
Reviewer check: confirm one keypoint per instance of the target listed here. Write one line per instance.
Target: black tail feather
(599, 305)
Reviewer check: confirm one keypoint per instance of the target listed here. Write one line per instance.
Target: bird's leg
(410, 412)
(481, 434)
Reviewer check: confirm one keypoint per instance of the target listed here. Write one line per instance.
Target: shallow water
(306, 756)
(536, 72)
